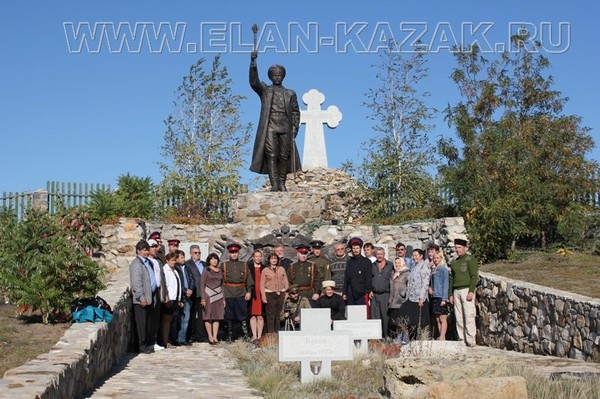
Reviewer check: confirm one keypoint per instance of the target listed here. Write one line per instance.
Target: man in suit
(197, 331)
(143, 289)
(275, 152)
(188, 295)
(358, 277)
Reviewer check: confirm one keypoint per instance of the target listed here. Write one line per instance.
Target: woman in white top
(171, 301)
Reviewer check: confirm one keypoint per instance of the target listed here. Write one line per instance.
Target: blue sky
(87, 116)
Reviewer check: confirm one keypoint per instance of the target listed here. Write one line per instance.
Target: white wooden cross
(361, 328)
(315, 154)
(315, 345)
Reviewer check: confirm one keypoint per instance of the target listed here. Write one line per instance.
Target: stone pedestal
(342, 198)
(278, 208)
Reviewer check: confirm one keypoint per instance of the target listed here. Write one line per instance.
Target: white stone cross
(361, 328)
(315, 345)
(315, 154)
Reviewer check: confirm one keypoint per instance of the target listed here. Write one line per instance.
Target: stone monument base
(319, 194)
(278, 208)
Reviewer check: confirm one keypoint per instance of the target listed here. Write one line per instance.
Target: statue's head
(276, 74)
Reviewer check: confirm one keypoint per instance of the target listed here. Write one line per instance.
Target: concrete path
(190, 372)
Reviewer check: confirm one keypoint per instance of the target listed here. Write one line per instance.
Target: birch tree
(204, 143)
(397, 157)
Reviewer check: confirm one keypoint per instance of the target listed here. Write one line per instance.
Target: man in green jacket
(465, 276)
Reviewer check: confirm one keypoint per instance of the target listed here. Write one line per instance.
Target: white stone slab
(362, 329)
(315, 153)
(315, 345)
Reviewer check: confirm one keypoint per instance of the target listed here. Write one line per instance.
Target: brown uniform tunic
(307, 276)
(237, 280)
(322, 264)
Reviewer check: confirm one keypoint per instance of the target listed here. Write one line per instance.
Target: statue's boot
(273, 175)
(282, 175)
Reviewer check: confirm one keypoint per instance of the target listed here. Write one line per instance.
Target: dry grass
(22, 339)
(576, 272)
(361, 378)
(540, 387)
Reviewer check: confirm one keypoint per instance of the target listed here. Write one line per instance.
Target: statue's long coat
(265, 92)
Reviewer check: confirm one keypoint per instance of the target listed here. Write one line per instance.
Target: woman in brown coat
(273, 286)
(213, 301)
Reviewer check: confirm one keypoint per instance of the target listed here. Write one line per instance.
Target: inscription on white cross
(315, 345)
(315, 153)
(361, 328)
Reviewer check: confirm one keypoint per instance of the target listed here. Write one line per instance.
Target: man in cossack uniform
(306, 275)
(319, 260)
(237, 286)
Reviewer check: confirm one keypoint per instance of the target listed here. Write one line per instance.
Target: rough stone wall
(529, 318)
(118, 241)
(82, 357)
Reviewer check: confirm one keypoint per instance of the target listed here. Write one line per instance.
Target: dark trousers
(143, 321)
(175, 325)
(278, 146)
(169, 311)
(197, 330)
(379, 310)
(273, 310)
(155, 310)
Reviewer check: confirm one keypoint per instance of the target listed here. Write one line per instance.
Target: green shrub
(45, 262)
(572, 225)
(134, 197)
(104, 205)
(491, 230)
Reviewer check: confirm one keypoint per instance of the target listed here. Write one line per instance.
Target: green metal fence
(71, 195)
(17, 202)
(68, 194)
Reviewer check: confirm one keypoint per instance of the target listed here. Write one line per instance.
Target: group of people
(423, 285)
(166, 294)
(178, 301)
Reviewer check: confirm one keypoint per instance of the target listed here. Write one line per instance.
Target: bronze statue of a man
(275, 152)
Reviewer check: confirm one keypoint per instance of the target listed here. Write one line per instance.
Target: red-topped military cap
(303, 248)
(234, 247)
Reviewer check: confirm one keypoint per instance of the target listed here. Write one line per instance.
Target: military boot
(273, 174)
(244, 329)
(282, 175)
(229, 331)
